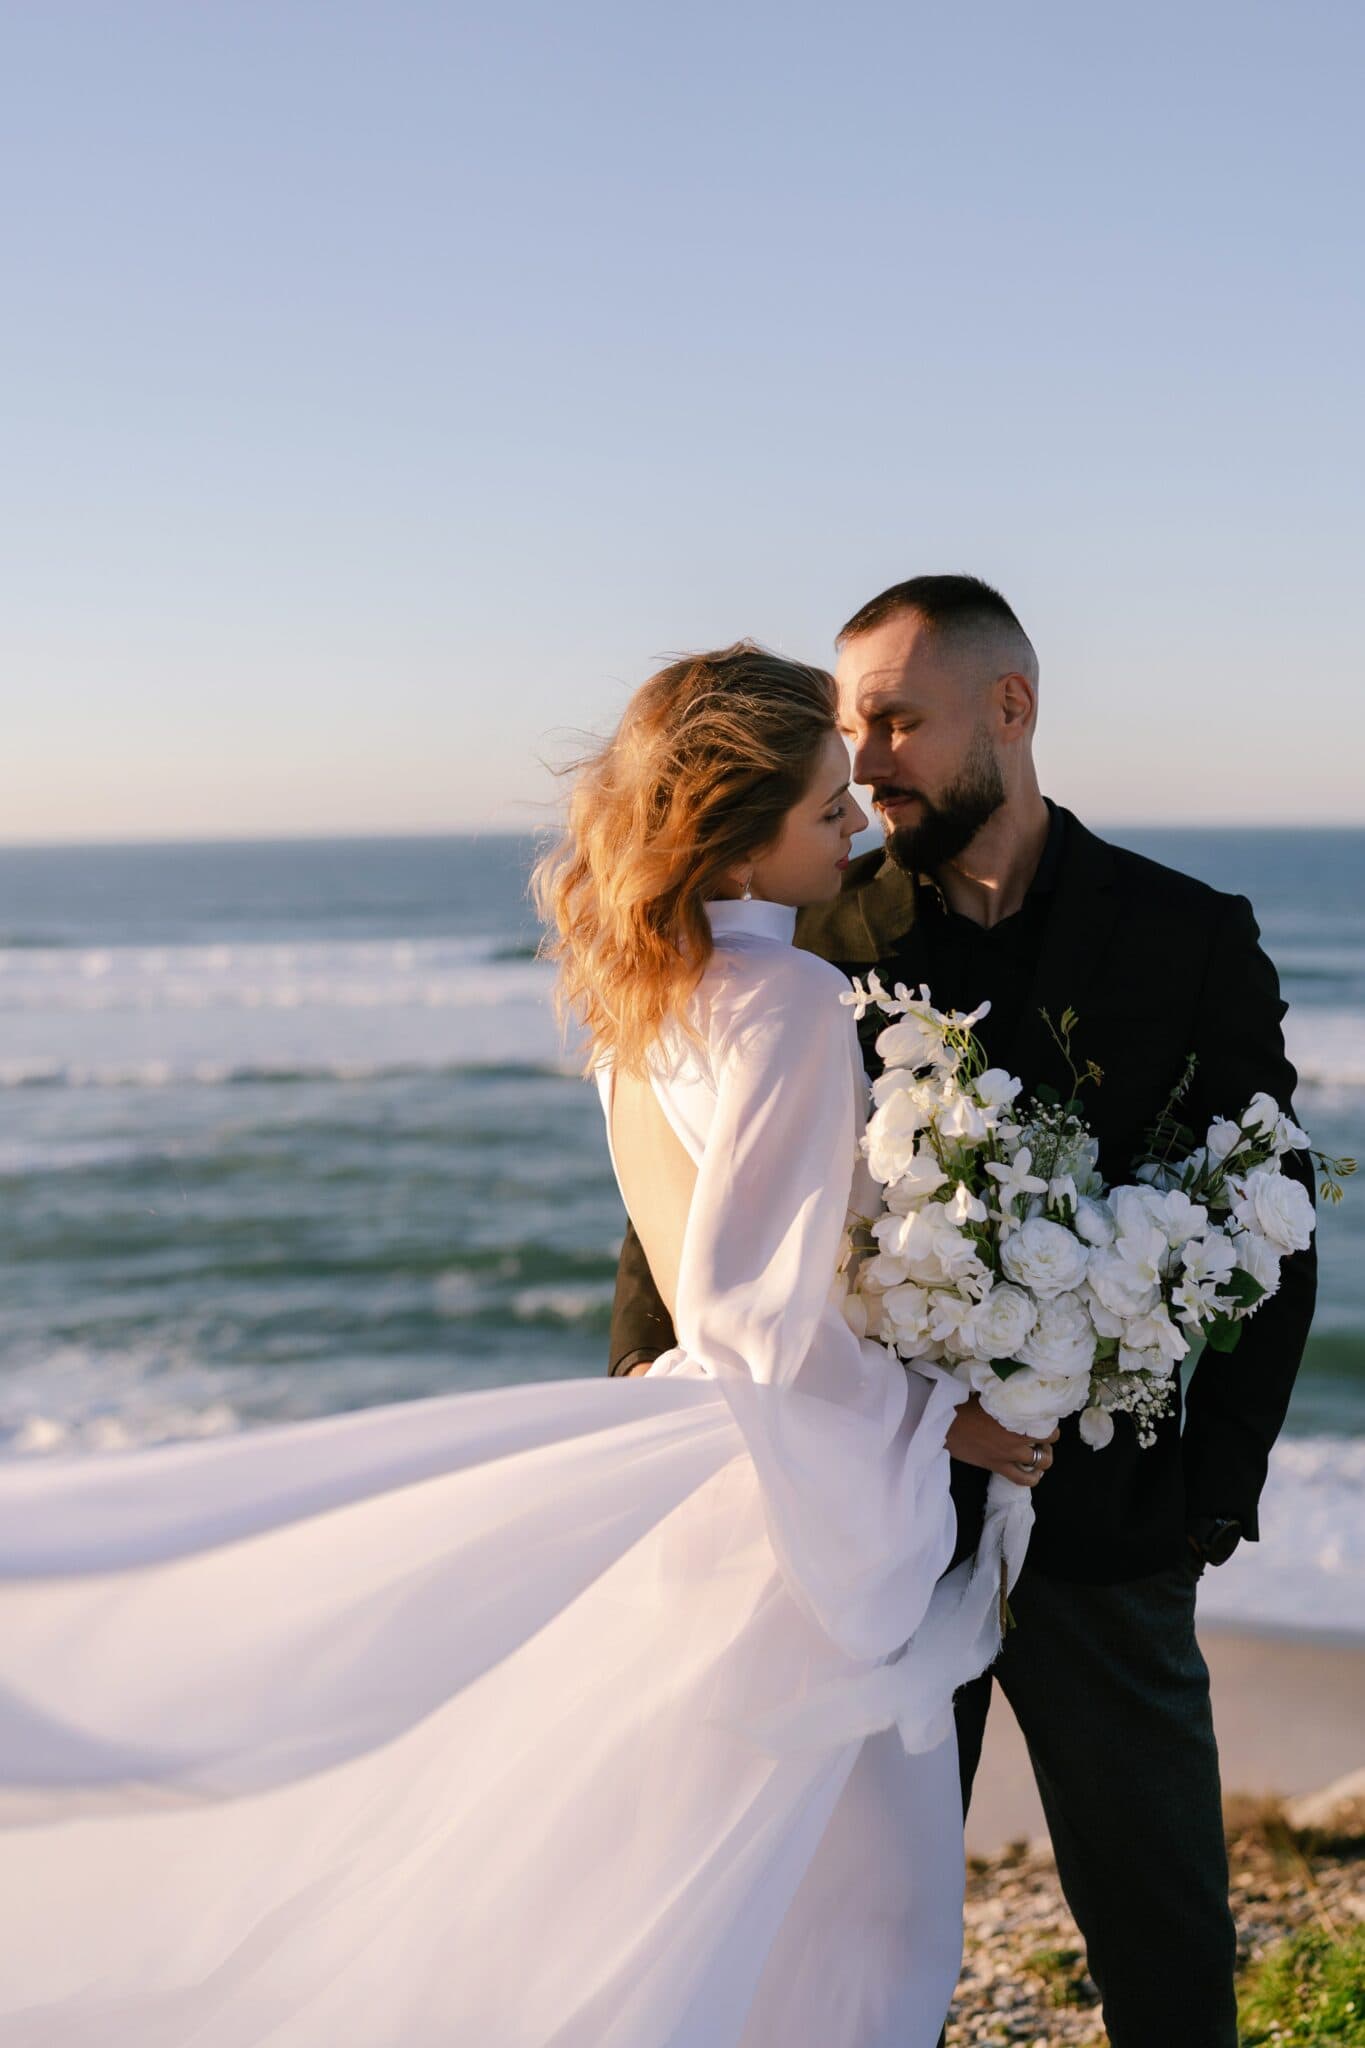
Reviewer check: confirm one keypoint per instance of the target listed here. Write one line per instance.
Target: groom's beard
(944, 828)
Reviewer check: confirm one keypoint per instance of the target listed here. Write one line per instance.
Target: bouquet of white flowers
(1002, 1257)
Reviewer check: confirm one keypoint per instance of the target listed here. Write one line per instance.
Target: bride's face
(808, 860)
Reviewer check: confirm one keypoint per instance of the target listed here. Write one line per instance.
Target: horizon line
(416, 834)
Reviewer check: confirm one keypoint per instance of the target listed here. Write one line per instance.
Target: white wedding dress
(571, 1715)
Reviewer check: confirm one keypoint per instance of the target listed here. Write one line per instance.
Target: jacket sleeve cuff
(620, 1367)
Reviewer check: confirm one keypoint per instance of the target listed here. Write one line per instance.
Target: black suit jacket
(1158, 966)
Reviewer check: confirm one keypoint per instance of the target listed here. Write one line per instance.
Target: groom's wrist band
(628, 1361)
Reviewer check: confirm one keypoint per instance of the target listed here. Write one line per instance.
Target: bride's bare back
(657, 1178)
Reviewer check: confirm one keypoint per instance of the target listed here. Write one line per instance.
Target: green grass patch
(1308, 1992)
(1063, 1972)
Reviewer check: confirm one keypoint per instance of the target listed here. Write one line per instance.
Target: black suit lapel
(1074, 947)
(868, 923)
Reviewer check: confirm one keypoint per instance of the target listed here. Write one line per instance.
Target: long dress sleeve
(848, 1446)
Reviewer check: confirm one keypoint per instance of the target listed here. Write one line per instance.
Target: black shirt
(966, 963)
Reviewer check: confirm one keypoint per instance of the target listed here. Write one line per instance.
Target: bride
(591, 1714)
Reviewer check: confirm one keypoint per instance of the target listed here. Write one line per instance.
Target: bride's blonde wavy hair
(697, 779)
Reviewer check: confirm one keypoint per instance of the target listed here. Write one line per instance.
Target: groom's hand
(976, 1438)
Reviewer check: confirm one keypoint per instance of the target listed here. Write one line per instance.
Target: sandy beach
(1290, 1714)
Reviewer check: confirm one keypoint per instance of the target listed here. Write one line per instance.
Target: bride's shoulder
(775, 991)
(780, 970)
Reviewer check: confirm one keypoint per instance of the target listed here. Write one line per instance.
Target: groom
(987, 891)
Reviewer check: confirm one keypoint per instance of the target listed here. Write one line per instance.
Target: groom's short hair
(945, 603)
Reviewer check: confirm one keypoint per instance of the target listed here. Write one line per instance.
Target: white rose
(1031, 1402)
(1095, 1221)
(1001, 1322)
(1123, 1289)
(1096, 1427)
(996, 1088)
(1062, 1341)
(1257, 1256)
(1279, 1208)
(1044, 1256)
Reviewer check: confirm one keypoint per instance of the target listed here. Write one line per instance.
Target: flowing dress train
(570, 1715)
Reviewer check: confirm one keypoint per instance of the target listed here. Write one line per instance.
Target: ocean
(287, 1128)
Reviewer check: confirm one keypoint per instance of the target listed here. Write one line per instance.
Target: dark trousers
(1111, 1692)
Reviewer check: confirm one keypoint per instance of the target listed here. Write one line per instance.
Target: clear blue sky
(388, 385)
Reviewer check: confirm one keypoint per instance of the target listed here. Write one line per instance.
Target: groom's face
(915, 710)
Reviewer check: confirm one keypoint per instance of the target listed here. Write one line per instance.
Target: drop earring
(748, 895)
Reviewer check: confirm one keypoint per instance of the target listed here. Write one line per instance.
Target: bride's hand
(976, 1438)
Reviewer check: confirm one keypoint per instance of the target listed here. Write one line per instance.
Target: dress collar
(749, 914)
